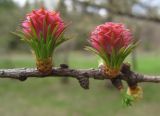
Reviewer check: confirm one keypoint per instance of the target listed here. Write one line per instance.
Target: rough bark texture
(126, 75)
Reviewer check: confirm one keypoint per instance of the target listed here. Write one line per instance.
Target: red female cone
(113, 43)
(43, 31)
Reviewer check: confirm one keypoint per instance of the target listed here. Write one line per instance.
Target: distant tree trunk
(62, 8)
(137, 31)
(65, 80)
(8, 62)
(110, 15)
(134, 59)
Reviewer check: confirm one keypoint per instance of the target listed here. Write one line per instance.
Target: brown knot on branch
(129, 75)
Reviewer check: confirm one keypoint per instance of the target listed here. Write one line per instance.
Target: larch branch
(24, 73)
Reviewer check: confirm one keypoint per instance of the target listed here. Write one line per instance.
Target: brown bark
(24, 73)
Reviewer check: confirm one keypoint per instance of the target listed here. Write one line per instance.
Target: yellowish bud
(136, 92)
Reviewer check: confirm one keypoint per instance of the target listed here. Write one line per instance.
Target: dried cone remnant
(113, 43)
(43, 30)
(44, 65)
(136, 92)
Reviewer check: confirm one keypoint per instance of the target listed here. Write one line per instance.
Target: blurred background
(64, 97)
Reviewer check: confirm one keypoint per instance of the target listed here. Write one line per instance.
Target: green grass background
(49, 97)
